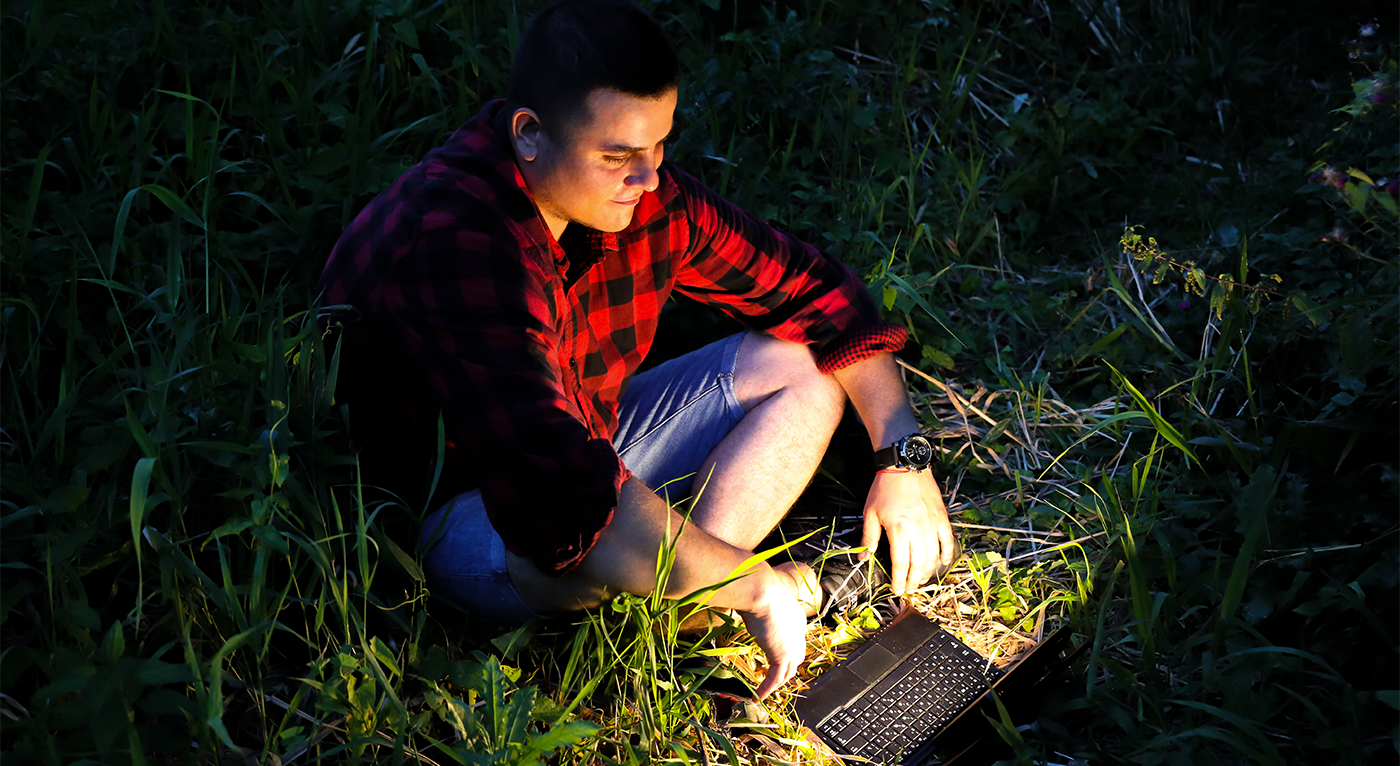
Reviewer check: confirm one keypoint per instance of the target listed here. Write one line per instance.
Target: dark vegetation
(189, 569)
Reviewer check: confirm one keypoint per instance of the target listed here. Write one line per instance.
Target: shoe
(847, 583)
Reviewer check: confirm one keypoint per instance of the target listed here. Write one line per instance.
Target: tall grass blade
(1164, 428)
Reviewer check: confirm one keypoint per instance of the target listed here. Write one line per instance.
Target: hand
(778, 625)
(909, 507)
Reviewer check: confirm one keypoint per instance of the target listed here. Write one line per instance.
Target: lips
(628, 202)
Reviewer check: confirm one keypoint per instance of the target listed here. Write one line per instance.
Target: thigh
(673, 416)
(465, 562)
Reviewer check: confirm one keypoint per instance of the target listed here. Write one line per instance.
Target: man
(511, 282)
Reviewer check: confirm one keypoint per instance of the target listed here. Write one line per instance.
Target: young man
(512, 282)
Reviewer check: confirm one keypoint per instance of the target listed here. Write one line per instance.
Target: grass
(1200, 484)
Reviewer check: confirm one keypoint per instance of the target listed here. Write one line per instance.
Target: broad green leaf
(563, 735)
(512, 642)
(1357, 196)
(517, 712)
(1387, 202)
(113, 644)
(1390, 697)
(1354, 173)
(493, 704)
(938, 357)
(156, 673)
(384, 655)
(1315, 313)
(23, 513)
(405, 33)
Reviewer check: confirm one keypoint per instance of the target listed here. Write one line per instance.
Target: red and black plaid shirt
(467, 306)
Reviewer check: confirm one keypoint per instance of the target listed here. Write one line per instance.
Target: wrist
(892, 429)
(910, 452)
(759, 587)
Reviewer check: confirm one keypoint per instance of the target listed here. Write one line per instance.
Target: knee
(768, 366)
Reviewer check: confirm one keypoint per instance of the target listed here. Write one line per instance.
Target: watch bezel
(907, 461)
(897, 454)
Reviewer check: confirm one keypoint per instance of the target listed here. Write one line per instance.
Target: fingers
(942, 529)
(910, 509)
(921, 559)
(780, 630)
(778, 675)
(783, 664)
(870, 534)
(947, 548)
(915, 566)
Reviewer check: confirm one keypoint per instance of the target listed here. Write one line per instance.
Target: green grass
(1201, 484)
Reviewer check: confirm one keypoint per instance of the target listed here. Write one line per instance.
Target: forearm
(877, 391)
(908, 506)
(624, 558)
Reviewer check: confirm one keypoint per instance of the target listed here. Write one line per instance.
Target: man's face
(610, 157)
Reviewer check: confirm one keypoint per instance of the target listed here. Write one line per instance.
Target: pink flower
(1335, 235)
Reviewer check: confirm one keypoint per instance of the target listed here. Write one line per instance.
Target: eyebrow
(629, 149)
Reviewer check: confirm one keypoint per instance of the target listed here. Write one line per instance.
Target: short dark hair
(574, 47)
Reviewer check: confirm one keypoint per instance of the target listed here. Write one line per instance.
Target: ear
(526, 132)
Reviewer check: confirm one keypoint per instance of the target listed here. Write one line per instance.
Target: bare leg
(752, 477)
(756, 473)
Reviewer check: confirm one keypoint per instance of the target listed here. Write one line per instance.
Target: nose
(643, 173)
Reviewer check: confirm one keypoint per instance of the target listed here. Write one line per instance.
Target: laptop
(914, 694)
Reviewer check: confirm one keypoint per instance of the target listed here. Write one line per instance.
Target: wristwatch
(913, 452)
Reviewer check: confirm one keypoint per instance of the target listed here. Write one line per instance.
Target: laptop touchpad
(872, 663)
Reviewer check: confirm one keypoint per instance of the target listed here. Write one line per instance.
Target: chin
(612, 226)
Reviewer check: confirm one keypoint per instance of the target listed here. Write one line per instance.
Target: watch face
(917, 451)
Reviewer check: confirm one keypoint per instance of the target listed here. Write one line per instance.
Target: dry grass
(1014, 549)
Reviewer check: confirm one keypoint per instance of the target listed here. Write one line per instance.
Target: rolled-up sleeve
(479, 319)
(776, 283)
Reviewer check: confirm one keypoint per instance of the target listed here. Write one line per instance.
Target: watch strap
(892, 456)
(887, 457)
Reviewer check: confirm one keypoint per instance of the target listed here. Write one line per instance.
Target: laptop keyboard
(911, 704)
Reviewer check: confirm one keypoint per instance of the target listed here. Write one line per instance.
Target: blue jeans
(670, 419)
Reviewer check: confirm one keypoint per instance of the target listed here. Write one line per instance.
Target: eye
(616, 162)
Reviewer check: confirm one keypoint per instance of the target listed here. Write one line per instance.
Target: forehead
(610, 116)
